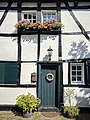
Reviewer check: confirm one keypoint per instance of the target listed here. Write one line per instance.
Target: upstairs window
(47, 16)
(77, 73)
(31, 16)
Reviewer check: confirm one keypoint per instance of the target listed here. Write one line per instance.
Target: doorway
(49, 84)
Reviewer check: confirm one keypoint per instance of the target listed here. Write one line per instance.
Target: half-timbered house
(26, 62)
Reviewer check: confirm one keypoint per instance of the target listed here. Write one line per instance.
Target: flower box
(26, 25)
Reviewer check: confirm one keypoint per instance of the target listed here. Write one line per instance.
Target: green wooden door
(48, 86)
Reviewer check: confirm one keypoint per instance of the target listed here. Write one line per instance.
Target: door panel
(49, 89)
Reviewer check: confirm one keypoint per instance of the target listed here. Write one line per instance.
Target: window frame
(82, 82)
(48, 12)
(28, 12)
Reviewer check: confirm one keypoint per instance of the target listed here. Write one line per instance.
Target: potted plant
(28, 103)
(70, 111)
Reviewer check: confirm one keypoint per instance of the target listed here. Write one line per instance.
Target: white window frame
(47, 12)
(77, 82)
(28, 12)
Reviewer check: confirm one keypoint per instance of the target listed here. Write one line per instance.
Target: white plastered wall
(65, 73)
(29, 47)
(8, 49)
(68, 22)
(8, 95)
(29, 4)
(75, 46)
(48, 5)
(45, 42)
(5, 4)
(9, 52)
(26, 70)
(81, 97)
(8, 25)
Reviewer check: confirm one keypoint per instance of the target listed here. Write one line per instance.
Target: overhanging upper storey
(39, 13)
(45, 0)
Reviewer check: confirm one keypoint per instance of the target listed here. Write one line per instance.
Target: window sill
(40, 31)
(77, 83)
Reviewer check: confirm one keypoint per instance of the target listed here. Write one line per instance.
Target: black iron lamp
(49, 50)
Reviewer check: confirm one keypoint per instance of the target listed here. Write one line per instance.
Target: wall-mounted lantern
(49, 50)
(33, 77)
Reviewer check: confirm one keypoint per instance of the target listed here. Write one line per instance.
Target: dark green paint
(49, 92)
(48, 88)
(8, 73)
(2, 73)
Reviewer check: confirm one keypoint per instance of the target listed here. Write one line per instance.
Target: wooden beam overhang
(45, 1)
(75, 6)
(46, 8)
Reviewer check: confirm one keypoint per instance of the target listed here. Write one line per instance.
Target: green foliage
(28, 102)
(71, 111)
(25, 25)
(69, 94)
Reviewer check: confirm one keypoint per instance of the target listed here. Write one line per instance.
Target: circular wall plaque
(49, 77)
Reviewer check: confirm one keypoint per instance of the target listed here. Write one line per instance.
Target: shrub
(71, 111)
(27, 102)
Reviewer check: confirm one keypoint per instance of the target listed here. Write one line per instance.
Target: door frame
(60, 81)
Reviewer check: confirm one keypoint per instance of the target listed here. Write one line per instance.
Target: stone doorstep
(48, 109)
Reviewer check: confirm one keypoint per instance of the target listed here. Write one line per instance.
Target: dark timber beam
(5, 13)
(75, 3)
(59, 19)
(77, 21)
(44, 1)
(19, 42)
(19, 10)
(38, 19)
